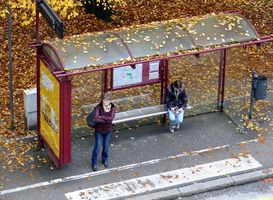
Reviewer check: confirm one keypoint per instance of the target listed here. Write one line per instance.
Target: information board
(127, 75)
(142, 73)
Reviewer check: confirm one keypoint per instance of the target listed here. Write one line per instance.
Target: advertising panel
(50, 109)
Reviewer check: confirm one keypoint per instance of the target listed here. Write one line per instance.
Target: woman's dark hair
(177, 84)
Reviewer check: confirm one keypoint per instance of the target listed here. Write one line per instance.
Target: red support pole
(166, 78)
(39, 140)
(37, 23)
(65, 122)
(224, 57)
(220, 82)
(162, 82)
(166, 83)
(105, 81)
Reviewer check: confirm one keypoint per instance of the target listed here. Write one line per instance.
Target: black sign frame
(51, 17)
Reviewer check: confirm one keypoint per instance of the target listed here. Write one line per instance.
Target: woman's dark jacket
(104, 119)
(180, 100)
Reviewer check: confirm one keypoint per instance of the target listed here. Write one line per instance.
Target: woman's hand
(180, 110)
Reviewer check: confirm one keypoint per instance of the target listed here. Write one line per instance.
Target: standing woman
(176, 100)
(103, 116)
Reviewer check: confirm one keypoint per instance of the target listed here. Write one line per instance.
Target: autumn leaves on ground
(129, 12)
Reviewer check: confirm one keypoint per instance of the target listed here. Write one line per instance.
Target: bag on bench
(90, 120)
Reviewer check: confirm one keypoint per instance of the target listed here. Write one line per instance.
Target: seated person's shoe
(178, 126)
(171, 127)
(95, 168)
(106, 164)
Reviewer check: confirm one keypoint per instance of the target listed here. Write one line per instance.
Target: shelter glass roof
(156, 39)
(220, 29)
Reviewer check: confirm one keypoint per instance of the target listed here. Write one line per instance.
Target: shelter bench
(135, 114)
(141, 113)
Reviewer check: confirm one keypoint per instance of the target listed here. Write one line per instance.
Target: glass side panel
(86, 94)
(200, 79)
(220, 29)
(237, 85)
(240, 65)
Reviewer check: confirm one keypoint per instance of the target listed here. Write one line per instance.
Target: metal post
(106, 81)
(10, 68)
(166, 84)
(37, 22)
(254, 80)
(223, 79)
(220, 109)
(162, 92)
(39, 140)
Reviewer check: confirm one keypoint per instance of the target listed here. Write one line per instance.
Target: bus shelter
(77, 70)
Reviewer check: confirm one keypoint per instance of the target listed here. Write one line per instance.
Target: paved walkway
(148, 162)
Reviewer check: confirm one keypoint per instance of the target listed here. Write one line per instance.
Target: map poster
(126, 75)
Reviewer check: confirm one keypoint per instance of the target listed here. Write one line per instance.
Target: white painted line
(125, 167)
(91, 174)
(166, 179)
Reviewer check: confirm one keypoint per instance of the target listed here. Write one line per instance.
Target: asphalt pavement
(148, 162)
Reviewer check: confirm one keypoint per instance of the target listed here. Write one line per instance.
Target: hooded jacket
(104, 119)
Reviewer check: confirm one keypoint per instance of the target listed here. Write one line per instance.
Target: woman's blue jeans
(104, 140)
(176, 119)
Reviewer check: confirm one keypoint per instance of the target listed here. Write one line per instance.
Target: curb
(201, 187)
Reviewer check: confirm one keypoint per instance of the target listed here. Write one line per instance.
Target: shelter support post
(40, 143)
(165, 83)
(66, 121)
(254, 77)
(220, 82)
(222, 77)
(37, 23)
(105, 89)
(104, 85)
(39, 139)
(162, 93)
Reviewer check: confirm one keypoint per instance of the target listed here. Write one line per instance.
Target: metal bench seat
(141, 113)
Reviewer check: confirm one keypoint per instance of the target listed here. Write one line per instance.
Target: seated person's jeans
(176, 119)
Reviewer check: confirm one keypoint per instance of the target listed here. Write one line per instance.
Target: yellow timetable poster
(50, 109)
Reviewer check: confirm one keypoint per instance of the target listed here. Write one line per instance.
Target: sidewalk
(200, 187)
(143, 154)
(262, 146)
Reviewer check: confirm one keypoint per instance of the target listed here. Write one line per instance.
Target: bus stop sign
(51, 17)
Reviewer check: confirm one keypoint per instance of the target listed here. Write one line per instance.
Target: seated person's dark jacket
(179, 102)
